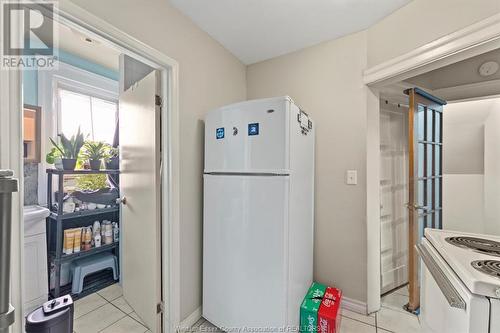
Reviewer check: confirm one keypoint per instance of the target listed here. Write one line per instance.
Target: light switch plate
(352, 177)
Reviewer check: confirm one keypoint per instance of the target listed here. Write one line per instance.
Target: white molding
(373, 201)
(475, 39)
(189, 322)
(76, 17)
(469, 91)
(354, 305)
(11, 157)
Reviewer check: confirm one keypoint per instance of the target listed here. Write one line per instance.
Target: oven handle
(448, 290)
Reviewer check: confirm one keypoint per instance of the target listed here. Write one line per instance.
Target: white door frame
(11, 153)
(470, 41)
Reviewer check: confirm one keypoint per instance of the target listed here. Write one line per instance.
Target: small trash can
(55, 316)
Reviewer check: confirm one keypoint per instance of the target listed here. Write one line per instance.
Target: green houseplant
(112, 158)
(94, 151)
(54, 157)
(91, 182)
(67, 150)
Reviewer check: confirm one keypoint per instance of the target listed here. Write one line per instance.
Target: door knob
(122, 200)
(417, 207)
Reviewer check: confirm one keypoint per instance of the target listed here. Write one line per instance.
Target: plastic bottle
(87, 239)
(116, 232)
(97, 240)
(78, 240)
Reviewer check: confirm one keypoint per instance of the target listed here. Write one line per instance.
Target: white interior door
(140, 186)
(393, 197)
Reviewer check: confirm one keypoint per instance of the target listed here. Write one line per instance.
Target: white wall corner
(373, 200)
(188, 323)
(354, 305)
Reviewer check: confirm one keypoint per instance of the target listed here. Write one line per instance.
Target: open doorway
(106, 103)
(469, 170)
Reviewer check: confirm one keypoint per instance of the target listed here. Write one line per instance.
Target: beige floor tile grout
(107, 302)
(137, 321)
(110, 302)
(359, 321)
(83, 315)
(113, 323)
(75, 305)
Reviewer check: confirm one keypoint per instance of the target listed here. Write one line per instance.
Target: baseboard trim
(354, 305)
(190, 320)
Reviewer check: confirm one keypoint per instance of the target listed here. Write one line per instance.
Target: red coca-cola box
(329, 311)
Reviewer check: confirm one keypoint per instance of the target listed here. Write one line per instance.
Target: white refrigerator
(258, 214)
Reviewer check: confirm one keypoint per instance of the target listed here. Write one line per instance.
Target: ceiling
(256, 30)
(461, 80)
(76, 43)
(458, 74)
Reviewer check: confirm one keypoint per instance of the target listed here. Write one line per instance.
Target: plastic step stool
(83, 267)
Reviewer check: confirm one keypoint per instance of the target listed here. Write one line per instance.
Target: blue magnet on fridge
(253, 129)
(219, 133)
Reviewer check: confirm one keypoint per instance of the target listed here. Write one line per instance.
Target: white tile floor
(392, 318)
(108, 312)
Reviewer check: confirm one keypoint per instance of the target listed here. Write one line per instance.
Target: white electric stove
(460, 288)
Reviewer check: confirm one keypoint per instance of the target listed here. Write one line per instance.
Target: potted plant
(54, 157)
(112, 158)
(68, 149)
(94, 151)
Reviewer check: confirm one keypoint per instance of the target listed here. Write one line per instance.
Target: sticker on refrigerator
(253, 129)
(219, 133)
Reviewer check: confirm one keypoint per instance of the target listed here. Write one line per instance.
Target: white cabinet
(35, 258)
(35, 271)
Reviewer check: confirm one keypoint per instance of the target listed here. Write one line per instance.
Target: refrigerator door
(248, 137)
(244, 256)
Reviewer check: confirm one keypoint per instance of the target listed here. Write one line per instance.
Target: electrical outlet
(352, 177)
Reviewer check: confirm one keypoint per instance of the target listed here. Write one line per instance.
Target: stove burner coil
(490, 267)
(481, 245)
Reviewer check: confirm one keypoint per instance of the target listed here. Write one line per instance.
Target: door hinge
(160, 307)
(158, 100)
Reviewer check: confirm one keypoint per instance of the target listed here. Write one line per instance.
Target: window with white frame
(95, 116)
(72, 97)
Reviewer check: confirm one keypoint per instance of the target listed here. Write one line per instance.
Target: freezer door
(248, 137)
(244, 257)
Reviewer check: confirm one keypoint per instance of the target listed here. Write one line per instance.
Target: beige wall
(422, 21)
(492, 171)
(468, 190)
(325, 80)
(209, 77)
(463, 135)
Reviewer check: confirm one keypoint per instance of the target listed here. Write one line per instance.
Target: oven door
(447, 306)
(495, 315)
